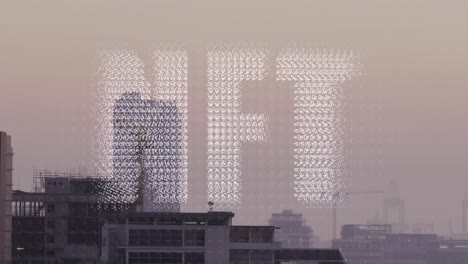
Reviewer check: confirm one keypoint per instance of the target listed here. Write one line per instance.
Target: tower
(394, 209)
(6, 169)
(147, 141)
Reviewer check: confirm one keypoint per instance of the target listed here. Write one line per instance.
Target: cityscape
(63, 221)
(233, 132)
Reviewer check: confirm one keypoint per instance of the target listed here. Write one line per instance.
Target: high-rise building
(6, 169)
(292, 232)
(147, 149)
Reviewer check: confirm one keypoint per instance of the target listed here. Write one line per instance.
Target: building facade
(292, 232)
(198, 238)
(60, 223)
(65, 222)
(6, 170)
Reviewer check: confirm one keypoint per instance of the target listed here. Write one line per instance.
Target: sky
(407, 112)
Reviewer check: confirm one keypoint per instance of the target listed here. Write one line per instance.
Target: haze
(408, 111)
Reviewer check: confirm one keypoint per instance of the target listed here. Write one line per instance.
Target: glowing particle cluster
(141, 131)
(170, 81)
(318, 126)
(141, 137)
(228, 126)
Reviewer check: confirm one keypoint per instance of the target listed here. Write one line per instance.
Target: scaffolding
(39, 177)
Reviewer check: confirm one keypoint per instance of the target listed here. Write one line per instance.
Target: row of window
(74, 209)
(166, 258)
(19, 208)
(27, 253)
(240, 234)
(28, 239)
(165, 237)
(83, 225)
(250, 256)
(83, 238)
(168, 220)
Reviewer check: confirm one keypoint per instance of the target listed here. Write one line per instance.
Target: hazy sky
(409, 109)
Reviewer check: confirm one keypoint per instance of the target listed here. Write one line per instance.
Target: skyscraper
(147, 141)
(6, 168)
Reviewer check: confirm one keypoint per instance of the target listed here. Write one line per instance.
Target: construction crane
(337, 195)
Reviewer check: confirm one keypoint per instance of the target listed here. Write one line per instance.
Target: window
(154, 258)
(194, 238)
(169, 221)
(28, 238)
(83, 231)
(155, 237)
(50, 223)
(261, 257)
(194, 221)
(194, 258)
(50, 239)
(238, 257)
(218, 221)
(141, 221)
(239, 234)
(261, 235)
(77, 209)
(51, 208)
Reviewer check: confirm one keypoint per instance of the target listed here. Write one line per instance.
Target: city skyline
(406, 112)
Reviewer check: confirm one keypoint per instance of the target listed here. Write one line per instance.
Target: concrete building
(292, 232)
(59, 223)
(198, 238)
(6, 170)
(65, 222)
(167, 238)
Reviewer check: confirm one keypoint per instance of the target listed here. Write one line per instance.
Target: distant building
(422, 228)
(394, 209)
(375, 244)
(292, 232)
(6, 169)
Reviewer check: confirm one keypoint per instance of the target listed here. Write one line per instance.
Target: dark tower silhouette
(147, 148)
